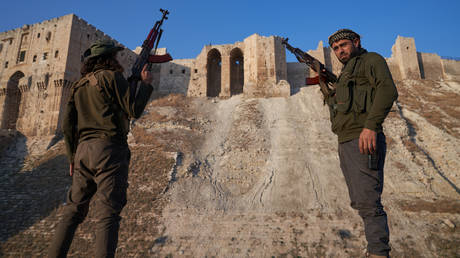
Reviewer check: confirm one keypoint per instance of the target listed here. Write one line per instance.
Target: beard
(344, 58)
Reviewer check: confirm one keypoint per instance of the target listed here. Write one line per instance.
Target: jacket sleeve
(70, 129)
(385, 94)
(132, 105)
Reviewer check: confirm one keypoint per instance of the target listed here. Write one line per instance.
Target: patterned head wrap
(343, 34)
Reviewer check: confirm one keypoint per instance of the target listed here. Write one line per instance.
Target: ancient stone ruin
(257, 67)
(39, 63)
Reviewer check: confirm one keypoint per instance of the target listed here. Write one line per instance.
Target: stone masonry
(39, 62)
(256, 67)
(260, 64)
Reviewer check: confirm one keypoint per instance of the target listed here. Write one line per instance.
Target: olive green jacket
(100, 106)
(365, 92)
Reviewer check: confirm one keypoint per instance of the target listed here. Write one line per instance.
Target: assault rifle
(145, 57)
(325, 78)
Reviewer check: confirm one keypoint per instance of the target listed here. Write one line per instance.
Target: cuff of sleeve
(146, 88)
(146, 85)
(371, 125)
(70, 155)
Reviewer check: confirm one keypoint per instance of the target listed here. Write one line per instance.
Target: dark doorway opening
(12, 102)
(214, 71)
(236, 71)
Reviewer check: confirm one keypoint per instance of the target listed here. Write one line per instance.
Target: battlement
(405, 63)
(254, 66)
(42, 60)
(261, 63)
(39, 63)
(92, 29)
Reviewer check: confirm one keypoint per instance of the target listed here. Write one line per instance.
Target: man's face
(345, 49)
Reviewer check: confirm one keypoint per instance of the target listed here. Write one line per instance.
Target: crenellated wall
(405, 54)
(451, 69)
(254, 67)
(404, 63)
(32, 58)
(211, 70)
(38, 64)
(175, 76)
(265, 67)
(430, 66)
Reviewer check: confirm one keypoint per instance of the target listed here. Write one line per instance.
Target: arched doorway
(236, 71)
(214, 71)
(12, 102)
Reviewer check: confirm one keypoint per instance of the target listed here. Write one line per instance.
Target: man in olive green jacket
(95, 126)
(365, 92)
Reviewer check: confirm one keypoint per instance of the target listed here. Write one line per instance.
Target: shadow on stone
(57, 137)
(12, 142)
(29, 196)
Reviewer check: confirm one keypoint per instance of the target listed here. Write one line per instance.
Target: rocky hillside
(251, 177)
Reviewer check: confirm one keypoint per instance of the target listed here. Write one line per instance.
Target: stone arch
(213, 73)
(12, 101)
(236, 71)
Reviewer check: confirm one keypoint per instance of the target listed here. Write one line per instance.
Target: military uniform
(95, 125)
(355, 105)
(365, 92)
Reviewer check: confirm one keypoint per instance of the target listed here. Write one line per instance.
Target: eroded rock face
(266, 180)
(253, 177)
(252, 174)
(39, 63)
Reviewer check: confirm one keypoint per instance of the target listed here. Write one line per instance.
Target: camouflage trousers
(100, 171)
(365, 189)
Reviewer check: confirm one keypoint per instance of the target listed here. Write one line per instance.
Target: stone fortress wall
(39, 63)
(266, 73)
(256, 67)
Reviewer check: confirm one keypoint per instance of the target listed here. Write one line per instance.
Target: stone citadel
(39, 63)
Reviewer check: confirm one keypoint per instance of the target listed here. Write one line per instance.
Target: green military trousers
(100, 170)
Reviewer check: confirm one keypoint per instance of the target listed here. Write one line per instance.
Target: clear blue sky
(193, 24)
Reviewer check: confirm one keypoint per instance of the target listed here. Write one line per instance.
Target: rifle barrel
(304, 57)
(149, 43)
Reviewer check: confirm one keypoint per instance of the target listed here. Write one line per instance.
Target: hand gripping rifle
(325, 78)
(145, 57)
